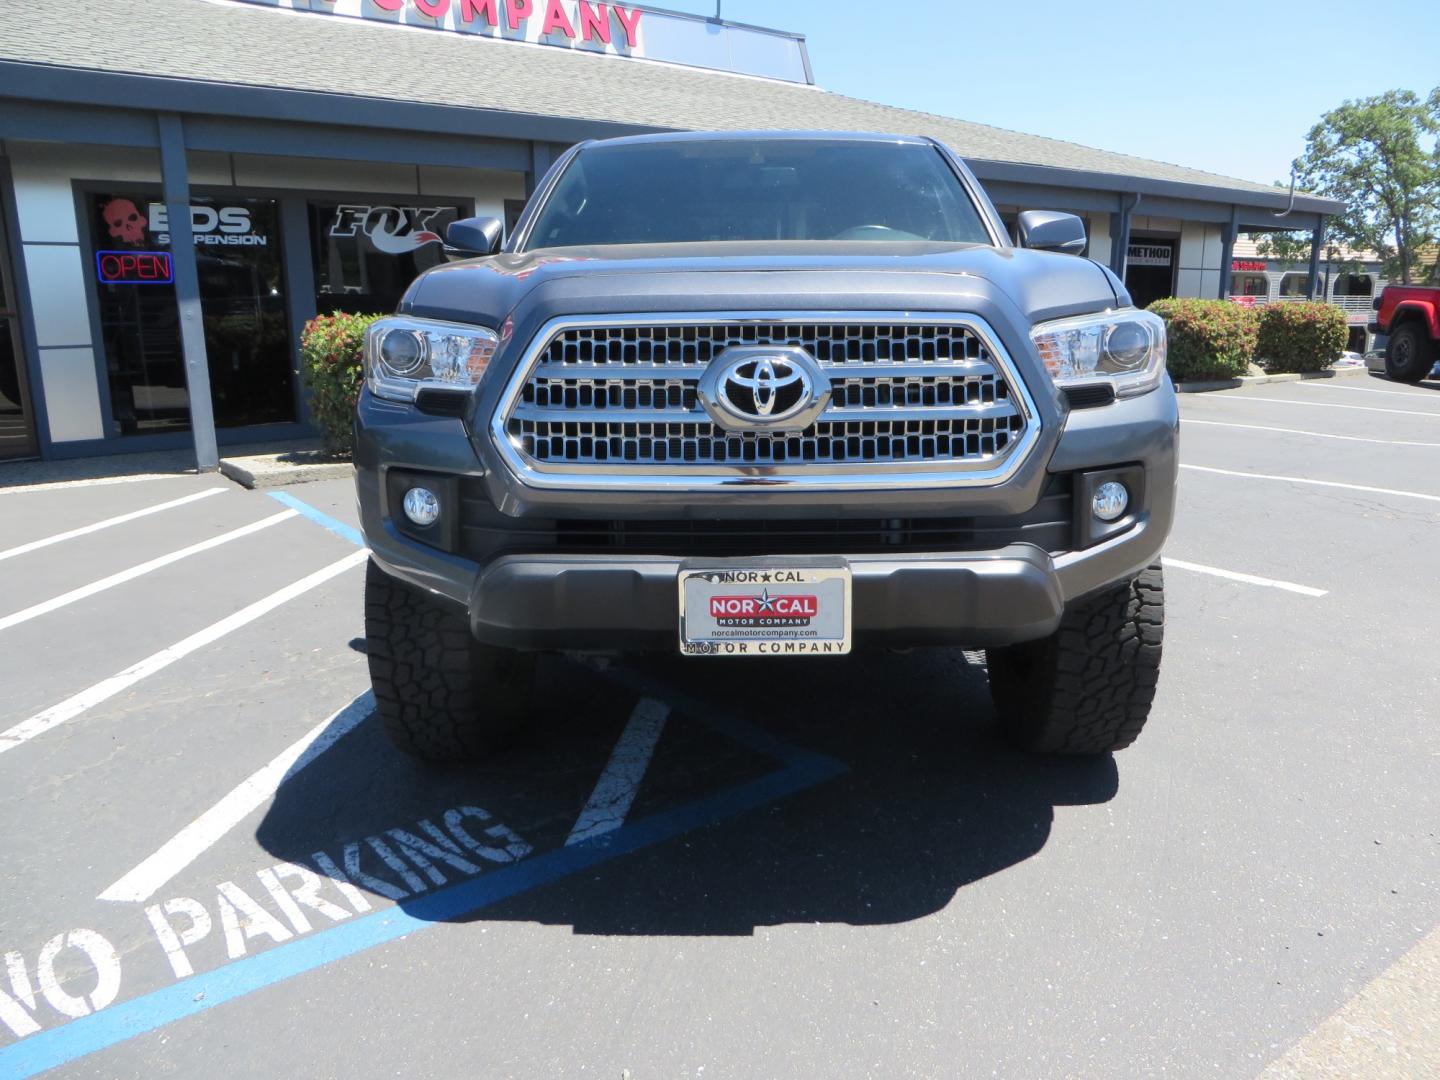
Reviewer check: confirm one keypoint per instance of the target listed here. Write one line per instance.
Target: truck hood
(779, 275)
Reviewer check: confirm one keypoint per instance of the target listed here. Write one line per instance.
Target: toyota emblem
(764, 388)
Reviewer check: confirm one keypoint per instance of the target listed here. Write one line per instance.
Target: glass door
(17, 436)
(242, 301)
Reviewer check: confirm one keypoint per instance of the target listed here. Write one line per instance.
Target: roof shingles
(245, 44)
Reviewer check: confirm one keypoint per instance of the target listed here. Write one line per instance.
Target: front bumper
(618, 601)
(609, 602)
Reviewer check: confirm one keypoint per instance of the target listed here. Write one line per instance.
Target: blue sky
(1228, 87)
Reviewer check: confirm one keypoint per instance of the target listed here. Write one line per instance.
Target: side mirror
(475, 235)
(1050, 230)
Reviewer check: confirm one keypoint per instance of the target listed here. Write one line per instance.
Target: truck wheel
(1087, 688)
(1410, 354)
(441, 694)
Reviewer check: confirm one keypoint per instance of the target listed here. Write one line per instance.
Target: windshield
(757, 189)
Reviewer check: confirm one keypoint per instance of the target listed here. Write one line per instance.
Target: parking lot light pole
(175, 179)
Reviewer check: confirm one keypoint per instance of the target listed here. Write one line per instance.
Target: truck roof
(751, 136)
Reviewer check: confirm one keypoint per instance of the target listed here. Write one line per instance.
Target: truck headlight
(404, 355)
(1127, 348)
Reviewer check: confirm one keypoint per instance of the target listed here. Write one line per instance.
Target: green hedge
(332, 360)
(1207, 339)
(1306, 336)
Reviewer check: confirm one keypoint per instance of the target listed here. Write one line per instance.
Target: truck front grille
(620, 397)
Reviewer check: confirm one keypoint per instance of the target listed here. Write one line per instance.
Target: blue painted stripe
(49, 1049)
(325, 521)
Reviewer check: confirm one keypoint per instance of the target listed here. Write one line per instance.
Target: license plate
(765, 610)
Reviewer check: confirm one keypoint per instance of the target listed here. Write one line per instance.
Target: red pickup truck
(1410, 315)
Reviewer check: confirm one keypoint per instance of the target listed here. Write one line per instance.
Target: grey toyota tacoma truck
(765, 395)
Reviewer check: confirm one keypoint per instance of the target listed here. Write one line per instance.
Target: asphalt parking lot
(215, 865)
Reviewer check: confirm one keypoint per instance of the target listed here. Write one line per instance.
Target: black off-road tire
(1086, 689)
(1410, 354)
(442, 695)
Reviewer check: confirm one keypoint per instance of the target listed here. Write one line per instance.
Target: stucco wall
(1097, 227)
(1201, 248)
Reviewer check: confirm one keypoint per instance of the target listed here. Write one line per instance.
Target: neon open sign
(134, 267)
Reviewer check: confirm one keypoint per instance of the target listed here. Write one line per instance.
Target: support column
(1317, 241)
(540, 159)
(1227, 251)
(1120, 234)
(299, 288)
(175, 179)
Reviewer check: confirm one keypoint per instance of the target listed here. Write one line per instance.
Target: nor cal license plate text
(765, 611)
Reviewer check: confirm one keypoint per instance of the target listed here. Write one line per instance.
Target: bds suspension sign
(579, 24)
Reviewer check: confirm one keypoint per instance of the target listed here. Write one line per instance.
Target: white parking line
(1316, 483)
(1248, 579)
(120, 520)
(77, 704)
(1412, 395)
(141, 569)
(1312, 434)
(97, 481)
(1256, 399)
(206, 830)
(620, 782)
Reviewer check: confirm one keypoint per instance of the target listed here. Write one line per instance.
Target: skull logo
(125, 221)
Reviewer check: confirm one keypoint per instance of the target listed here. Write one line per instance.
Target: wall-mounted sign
(134, 267)
(212, 226)
(124, 221)
(621, 29)
(366, 254)
(577, 23)
(225, 226)
(395, 230)
(1150, 255)
(1248, 264)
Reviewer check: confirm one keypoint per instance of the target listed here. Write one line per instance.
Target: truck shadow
(926, 799)
(1430, 382)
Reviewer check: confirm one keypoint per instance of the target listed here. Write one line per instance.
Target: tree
(1380, 156)
(1293, 249)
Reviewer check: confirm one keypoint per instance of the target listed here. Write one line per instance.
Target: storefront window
(1354, 285)
(1249, 285)
(368, 251)
(1149, 269)
(513, 209)
(242, 296)
(1293, 285)
(15, 435)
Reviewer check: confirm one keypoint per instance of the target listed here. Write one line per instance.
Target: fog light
(423, 508)
(1110, 502)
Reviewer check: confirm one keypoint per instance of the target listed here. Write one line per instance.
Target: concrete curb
(1262, 380)
(281, 470)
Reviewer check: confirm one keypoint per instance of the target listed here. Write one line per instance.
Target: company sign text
(577, 23)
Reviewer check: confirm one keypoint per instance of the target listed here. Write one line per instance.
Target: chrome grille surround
(610, 402)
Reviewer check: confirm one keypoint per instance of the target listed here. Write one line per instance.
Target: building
(184, 184)
(1347, 278)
